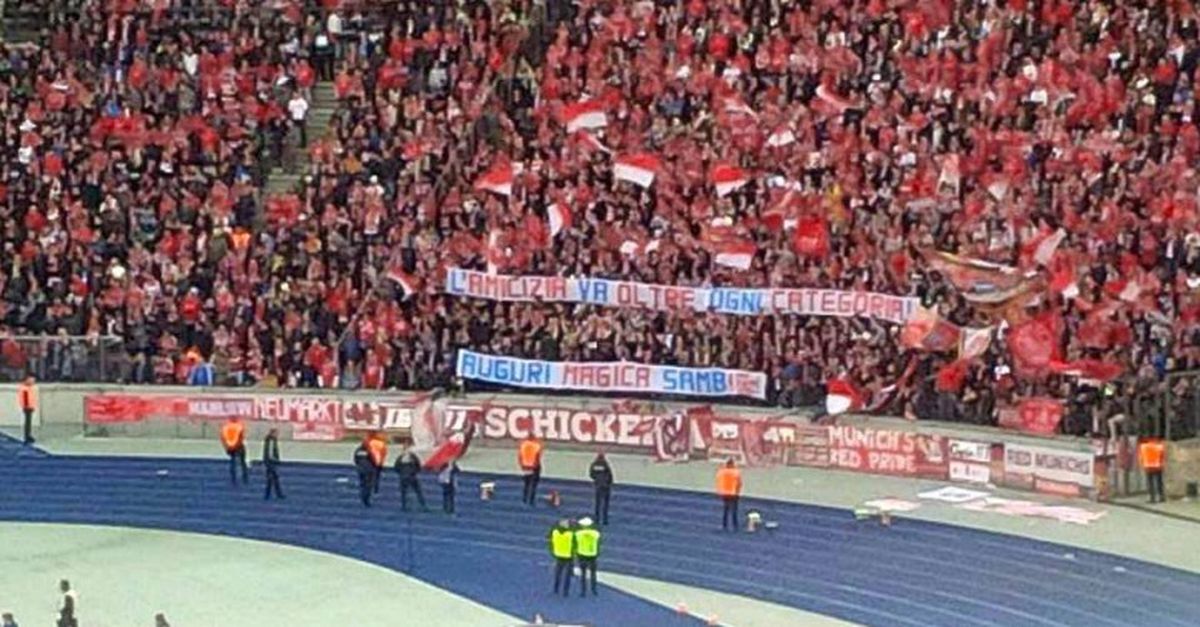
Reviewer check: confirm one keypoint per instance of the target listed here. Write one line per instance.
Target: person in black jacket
(602, 479)
(366, 472)
(270, 460)
(408, 466)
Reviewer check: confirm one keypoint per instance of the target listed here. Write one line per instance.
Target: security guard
(529, 456)
(27, 399)
(1151, 454)
(729, 488)
(602, 479)
(233, 438)
(366, 472)
(562, 548)
(587, 548)
(378, 447)
(270, 460)
(408, 466)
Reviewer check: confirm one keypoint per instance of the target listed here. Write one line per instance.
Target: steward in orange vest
(27, 399)
(377, 445)
(1152, 457)
(729, 488)
(529, 456)
(233, 438)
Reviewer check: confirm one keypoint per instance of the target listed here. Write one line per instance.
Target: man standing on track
(1150, 455)
(587, 548)
(233, 438)
(66, 614)
(270, 460)
(529, 456)
(602, 479)
(365, 467)
(408, 466)
(448, 478)
(27, 399)
(562, 548)
(729, 488)
(377, 445)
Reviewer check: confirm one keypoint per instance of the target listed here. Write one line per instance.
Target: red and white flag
(638, 169)
(407, 283)
(727, 178)
(974, 342)
(834, 101)
(498, 180)
(737, 253)
(841, 396)
(558, 218)
(588, 114)
(734, 104)
(593, 142)
(781, 137)
(1046, 248)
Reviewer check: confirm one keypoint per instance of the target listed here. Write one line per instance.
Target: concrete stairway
(320, 113)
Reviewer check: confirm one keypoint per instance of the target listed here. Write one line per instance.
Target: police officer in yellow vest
(587, 549)
(562, 547)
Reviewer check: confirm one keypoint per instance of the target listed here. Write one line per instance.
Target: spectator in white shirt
(298, 113)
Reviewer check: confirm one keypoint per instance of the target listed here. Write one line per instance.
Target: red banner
(1033, 415)
(307, 410)
(888, 452)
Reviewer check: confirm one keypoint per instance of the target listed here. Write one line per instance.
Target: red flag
(407, 283)
(952, 376)
(638, 169)
(559, 218)
(812, 237)
(1035, 343)
(727, 178)
(736, 253)
(1090, 369)
(588, 114)
(499, 179)
(842, 396)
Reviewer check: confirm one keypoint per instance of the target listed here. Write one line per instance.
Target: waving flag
(841, 396)
(781, 137)
(498, 180)
(927, 331)
(588, 114)
(811, 238)
(727, 178)
(407, 283)
(1034, 344)
(593, 142)
(638, 169)
(735, 254)
(559, 218)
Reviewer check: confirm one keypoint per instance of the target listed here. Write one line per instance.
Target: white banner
(726, 300)
(609, 376)
(1055, 465)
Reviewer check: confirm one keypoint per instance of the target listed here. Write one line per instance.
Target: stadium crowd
(871, 132)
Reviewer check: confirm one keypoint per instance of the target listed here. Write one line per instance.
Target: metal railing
(1179, 411)
(63, 358)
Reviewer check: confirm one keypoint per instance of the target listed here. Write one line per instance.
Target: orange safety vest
(27, 396)
(530, 454)
(231, 435)
(378, 449)
(1150, 455)
(729, 481)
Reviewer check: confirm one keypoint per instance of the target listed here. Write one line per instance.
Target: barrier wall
(868, 444)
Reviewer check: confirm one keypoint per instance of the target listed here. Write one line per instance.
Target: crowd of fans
(136, 147)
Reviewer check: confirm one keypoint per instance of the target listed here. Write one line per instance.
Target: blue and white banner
(609, 376)
(727, 300)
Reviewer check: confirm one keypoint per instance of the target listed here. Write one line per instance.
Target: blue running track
(820, 560)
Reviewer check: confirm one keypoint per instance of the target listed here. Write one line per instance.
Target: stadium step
(322, 110)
